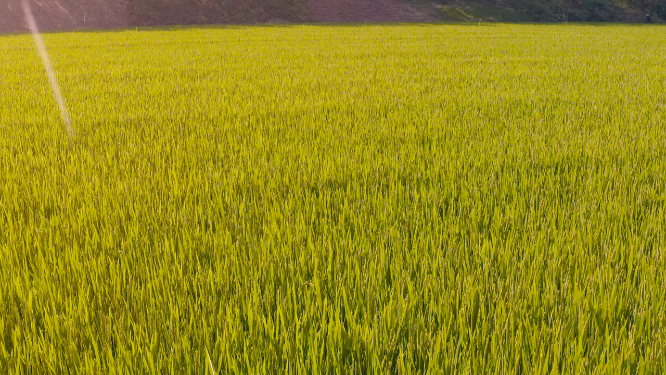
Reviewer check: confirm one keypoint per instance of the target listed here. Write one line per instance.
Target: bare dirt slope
(372, 11)
(64, 14)
(76, 14)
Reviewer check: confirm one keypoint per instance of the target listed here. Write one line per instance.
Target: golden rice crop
(353, 199)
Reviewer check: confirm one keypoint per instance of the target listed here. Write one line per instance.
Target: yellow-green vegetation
(366, 199)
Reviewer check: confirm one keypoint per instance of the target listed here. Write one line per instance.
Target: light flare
(41, 48)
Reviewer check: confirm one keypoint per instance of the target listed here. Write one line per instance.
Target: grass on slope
(553, 11)
(442, 199)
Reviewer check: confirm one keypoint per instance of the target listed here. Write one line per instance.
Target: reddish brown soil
(64, 14)
(77, 14)
(371, 11)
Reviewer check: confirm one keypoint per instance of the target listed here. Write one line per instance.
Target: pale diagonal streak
(41, 48)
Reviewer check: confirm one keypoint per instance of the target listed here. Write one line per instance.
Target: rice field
(433, 199)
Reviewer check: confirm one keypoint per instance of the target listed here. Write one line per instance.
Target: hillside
(155, 12)
(179, 12)
(553, 10)
(75, 14)
(372, 11)
(64, 14)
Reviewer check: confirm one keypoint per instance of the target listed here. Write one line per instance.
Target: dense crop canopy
(443, 199)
